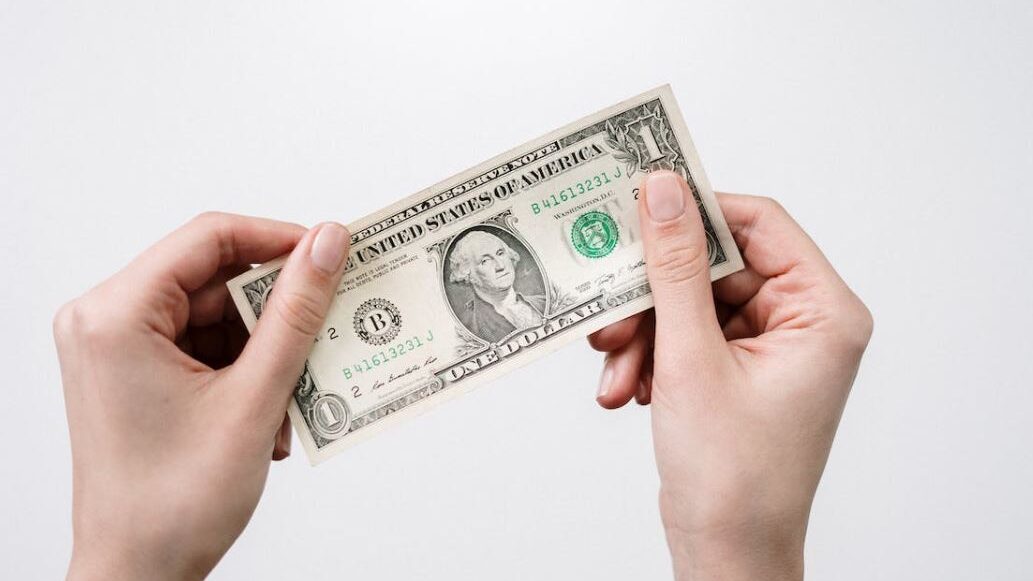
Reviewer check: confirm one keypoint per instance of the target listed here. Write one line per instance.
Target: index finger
(771, 241)
(616, 335)
(192, 254)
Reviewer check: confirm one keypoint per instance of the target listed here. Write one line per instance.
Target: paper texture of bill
(489, 270)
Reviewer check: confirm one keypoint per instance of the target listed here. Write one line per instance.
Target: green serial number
(388, 354)
(569, 193)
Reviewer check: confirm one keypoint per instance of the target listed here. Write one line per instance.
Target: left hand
(172, 432)
(747, 380)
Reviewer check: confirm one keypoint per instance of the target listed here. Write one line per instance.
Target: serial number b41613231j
(579, 189)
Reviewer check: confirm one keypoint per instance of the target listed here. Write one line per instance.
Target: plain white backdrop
(900, 134)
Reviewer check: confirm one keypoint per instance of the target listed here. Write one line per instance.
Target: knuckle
(219, 227)
(771, 205)
(65, 319)
(857, 326)
(82, 320)
(301, 311)
(680, 259)
(865, 324)
(210, 221)
(209, 217)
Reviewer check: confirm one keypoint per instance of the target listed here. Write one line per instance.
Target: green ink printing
(594, 234)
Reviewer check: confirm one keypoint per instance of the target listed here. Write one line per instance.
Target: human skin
(172, 425)
(747, 379)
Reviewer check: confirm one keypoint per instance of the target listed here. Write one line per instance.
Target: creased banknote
(488, 270)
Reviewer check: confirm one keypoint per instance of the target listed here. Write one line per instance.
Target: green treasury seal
(594, 234)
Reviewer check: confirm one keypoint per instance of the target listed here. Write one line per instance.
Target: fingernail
(604, 381)
(328, 249)
(664, 197)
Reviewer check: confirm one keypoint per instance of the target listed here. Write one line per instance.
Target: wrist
(735, 557)
(90, 566)
(91, 561)
(734, 545)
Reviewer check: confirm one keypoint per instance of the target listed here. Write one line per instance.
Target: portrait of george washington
(493, 283)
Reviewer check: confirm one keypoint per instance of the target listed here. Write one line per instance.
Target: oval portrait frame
(514, 241)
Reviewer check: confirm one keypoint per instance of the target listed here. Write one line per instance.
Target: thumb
(678, 267)
(274, 357)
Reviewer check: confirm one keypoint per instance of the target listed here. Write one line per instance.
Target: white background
(900, 134)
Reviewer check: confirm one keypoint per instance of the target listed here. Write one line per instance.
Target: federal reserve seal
(377, 321)
(329, 416)
(594, 234)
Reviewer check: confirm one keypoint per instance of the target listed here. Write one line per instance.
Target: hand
(747, 381)
(171, 431)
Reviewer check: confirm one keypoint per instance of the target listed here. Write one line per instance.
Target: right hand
(746, 393)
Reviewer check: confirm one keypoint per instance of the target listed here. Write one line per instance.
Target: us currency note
(488, 270)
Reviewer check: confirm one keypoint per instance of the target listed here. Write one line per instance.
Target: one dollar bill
(488, 270)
